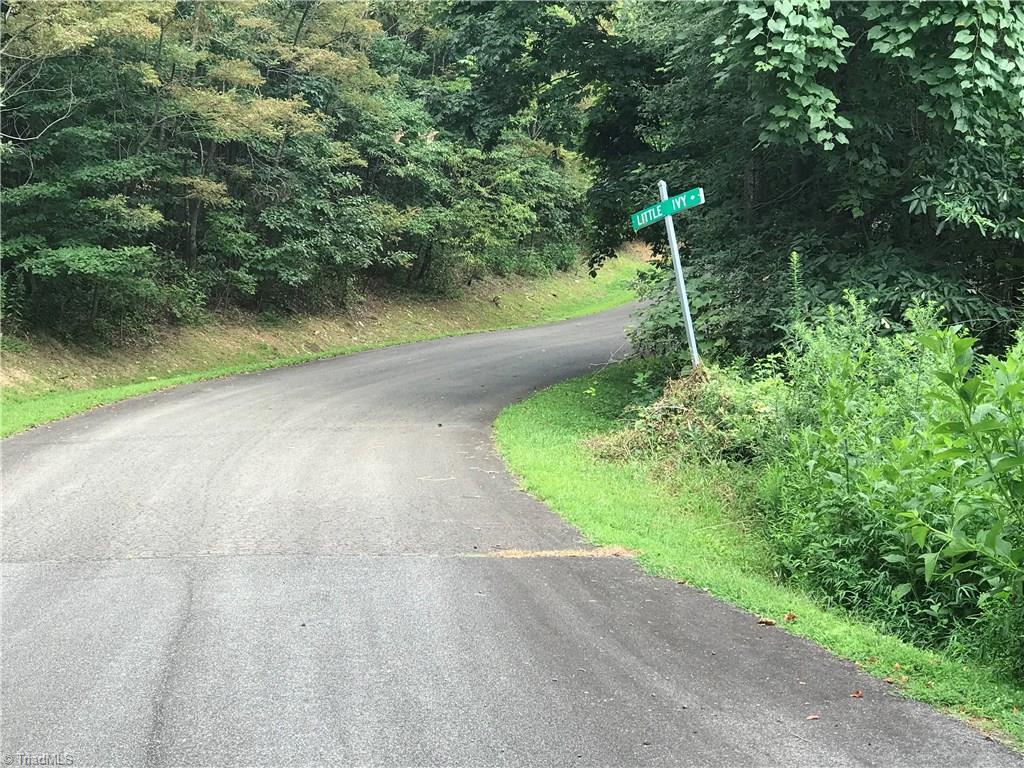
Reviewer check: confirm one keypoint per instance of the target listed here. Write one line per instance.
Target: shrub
(891, 471)
(898, 491)
(88, 291)
(713, 414)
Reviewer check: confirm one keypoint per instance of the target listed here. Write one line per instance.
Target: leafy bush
(964, 524)
(891, 466)
(109, 292)
(711, 415)
(897, 490)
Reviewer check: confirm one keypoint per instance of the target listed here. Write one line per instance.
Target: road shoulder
(687, 534)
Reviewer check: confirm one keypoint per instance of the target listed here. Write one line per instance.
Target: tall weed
(891, 471)
(897, 491)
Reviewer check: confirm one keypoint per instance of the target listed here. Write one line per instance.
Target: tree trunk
(425, 267)
(194, 207)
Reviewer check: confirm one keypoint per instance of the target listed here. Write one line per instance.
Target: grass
(44, 380)
(682, 523)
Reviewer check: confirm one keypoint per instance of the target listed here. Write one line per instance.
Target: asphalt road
(300, 567)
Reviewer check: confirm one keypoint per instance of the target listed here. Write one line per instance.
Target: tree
(161, 158)
(881, 141)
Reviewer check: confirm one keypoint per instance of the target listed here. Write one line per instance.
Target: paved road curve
(297, 567)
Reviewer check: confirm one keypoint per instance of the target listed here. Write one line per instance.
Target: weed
(697, 519)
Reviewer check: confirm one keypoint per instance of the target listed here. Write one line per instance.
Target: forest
(165, 159)
(857, 274)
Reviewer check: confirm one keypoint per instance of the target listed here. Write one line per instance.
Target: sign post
(664, 210)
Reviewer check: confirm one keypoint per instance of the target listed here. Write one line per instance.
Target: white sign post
(680, 282)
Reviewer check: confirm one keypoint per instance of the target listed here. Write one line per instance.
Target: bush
(891, 471)
(84, 292)
(711, 415)
(898, 490)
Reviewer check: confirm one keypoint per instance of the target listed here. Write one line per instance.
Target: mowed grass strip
(44, 381)
(682, 523)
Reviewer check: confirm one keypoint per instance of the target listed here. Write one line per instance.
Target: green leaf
(968, 390)
(930, 559)
(1007, 463)
(951, 453)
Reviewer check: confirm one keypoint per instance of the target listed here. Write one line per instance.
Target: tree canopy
(162, 158)
(882, 141)
(165, 157)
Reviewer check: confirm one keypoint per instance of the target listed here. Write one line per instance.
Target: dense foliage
(161, 158)
(891, 472)
(899, 487)
(164, 157)
(883, 141)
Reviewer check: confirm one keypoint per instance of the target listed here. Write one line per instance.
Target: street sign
(664, 210)
(660, 210)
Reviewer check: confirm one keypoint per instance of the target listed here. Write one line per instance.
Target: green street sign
(673, 205)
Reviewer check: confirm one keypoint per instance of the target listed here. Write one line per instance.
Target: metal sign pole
(680, 283)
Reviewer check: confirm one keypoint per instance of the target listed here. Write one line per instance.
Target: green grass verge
(214, 351)
(682, 523)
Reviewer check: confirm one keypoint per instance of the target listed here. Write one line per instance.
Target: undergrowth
(694, 517)
(890, 472)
